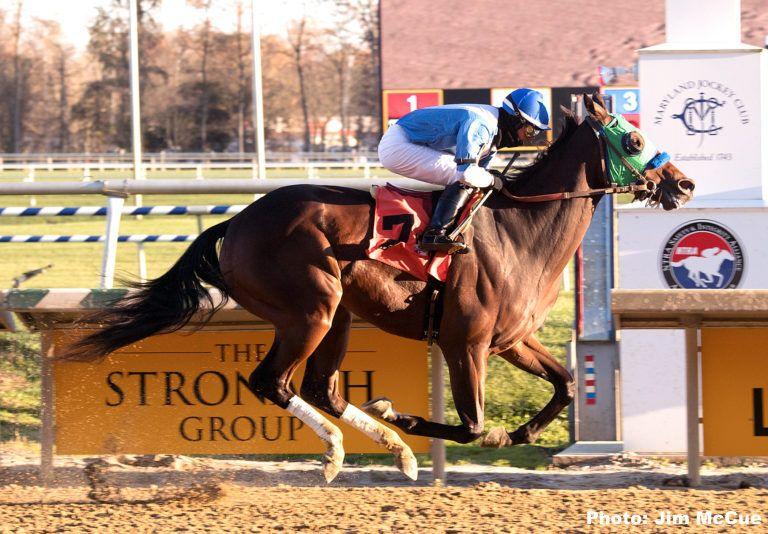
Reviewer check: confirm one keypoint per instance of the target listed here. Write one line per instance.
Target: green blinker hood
(614, 131)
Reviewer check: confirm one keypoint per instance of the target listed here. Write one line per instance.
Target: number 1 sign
(399, 102)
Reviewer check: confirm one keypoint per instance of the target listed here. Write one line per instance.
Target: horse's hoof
(330, 470)
(333, 460)
(522, 436)
(380, 407)
(496, 438)
(406, 462)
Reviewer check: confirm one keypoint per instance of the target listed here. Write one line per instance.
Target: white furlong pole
(258, 95)
(135, 100)
(47, 429)
(692, 401)
(114, 211)
(138, 167)
(438, 414)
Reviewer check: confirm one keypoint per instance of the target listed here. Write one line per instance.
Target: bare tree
(367, 15)
(205, 48)
(242, 86)
(63, 137)
(341, 56)
(103, 110)
(162, 103)
(298, 38)
(46, 124)
(281, 92)
(195, 83)
(18, 78)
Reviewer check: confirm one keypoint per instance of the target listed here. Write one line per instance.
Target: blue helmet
(530, 104)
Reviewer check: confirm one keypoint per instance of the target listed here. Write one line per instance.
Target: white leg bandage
(326, 430)
(369, 426)
(382, 435)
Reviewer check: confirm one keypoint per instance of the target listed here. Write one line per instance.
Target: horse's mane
(568, 129)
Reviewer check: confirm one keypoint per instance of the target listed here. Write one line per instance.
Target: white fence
(182, 157)
(309, 163)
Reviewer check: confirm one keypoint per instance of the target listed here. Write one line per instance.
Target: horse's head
(633, 158)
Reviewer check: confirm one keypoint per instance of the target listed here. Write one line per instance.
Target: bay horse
(296, 257)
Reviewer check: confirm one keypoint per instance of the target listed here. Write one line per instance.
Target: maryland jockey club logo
(702, 107)
(699, 116)
(702, 255)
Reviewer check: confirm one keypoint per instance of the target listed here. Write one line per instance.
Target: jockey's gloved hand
(498, 179)
(476, 176)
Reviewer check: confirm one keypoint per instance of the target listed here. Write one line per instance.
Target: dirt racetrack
(235, 496)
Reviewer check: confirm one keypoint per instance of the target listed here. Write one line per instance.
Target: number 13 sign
(399, 102)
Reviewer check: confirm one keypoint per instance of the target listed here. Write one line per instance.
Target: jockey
(452, 145)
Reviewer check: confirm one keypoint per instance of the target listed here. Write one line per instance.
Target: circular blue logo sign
(702, 255)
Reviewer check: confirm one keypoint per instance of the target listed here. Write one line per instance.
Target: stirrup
(441, 243)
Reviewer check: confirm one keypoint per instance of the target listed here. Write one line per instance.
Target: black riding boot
(448, 208)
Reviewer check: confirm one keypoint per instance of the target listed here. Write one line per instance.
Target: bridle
(641, 185)
(642, 188)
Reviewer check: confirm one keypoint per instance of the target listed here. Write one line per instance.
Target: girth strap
(433, 314)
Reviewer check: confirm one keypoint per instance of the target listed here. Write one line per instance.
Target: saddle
(400, 216)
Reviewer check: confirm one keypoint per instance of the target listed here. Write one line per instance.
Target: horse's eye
(632, 143)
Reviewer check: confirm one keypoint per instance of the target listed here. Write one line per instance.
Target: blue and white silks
(426, 143)
(464, 130)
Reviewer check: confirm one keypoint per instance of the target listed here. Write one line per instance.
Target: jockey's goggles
(529, 129)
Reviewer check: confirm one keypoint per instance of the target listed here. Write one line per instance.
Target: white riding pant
(398, 154)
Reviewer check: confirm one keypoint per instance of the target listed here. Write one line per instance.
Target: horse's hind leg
(531, 356)
(272, 380)
(320, 388)
(300, 326)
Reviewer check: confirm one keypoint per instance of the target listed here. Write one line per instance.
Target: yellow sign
(734, 376)
(188, 393)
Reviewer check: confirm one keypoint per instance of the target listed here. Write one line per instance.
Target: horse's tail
(162, 305)
(680, 263)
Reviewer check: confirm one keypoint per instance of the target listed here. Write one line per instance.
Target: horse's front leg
(531, 356)
(466, 367)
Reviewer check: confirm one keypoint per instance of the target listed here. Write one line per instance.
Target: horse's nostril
(686, 185)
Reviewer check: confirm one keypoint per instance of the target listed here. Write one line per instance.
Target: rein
(576, 194)
(640, 185)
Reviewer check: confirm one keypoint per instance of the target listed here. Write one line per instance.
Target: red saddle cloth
(400, 216)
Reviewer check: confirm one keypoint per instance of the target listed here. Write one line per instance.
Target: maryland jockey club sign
(706, 111)
(702, 255)
(701, 112)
